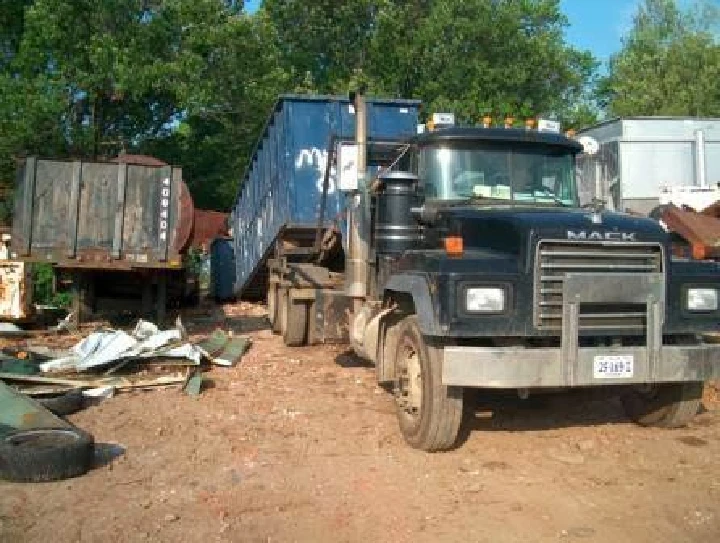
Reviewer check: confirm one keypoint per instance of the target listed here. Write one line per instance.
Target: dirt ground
(301, 445)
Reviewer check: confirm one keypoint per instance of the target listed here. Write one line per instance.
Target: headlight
(486, 300)
(702, 299)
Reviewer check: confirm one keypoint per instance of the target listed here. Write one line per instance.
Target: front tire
(429, 413)
(668, 405)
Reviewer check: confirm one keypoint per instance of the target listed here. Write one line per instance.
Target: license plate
(618, 366)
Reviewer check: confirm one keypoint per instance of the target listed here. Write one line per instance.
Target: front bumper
(571, 365)
(501, 367)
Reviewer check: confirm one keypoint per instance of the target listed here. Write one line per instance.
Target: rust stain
(700, 230)
(185, 220)
(712, 210)
(30, 419)
(207, 226)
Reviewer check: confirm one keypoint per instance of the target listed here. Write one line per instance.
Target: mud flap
(329, 320)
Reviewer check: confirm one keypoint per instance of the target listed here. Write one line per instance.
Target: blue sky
(596, 25)
(252, 5)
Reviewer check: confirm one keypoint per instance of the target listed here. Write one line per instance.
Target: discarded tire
(45, 454)
(63, 404)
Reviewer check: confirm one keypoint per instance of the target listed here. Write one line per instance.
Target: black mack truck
(470, 264)
(489, 275)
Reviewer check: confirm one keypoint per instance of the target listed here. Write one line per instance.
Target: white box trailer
(642, 162)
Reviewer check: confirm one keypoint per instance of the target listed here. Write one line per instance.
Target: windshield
(530, 173)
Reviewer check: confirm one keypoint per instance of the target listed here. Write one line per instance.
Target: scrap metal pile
(117, 360)
(39, 385)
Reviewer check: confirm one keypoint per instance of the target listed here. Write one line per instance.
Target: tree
(669, 63)
(226, 108)
(471, 55)
(12, 21)
(28, 108)
(190, 80)
(326, 40)
(453, 54)
(120, 63)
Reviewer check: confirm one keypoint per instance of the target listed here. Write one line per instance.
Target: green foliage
(669, 63)
(468, 56)
(44, 287)
(197, 263)
(90, 78)
(324, 38)
(238, 82)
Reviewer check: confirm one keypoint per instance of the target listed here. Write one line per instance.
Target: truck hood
(508, 228)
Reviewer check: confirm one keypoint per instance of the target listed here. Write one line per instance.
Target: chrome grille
(556, 258)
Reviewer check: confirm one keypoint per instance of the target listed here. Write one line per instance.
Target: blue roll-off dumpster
(283, 184)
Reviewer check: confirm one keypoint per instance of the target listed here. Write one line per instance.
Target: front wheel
(668, 405)
(429, 413)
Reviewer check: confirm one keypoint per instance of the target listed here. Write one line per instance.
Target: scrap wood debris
(107, 360)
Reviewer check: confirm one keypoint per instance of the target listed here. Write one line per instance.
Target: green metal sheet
(215, 343)
(19, 412)
(233, 351)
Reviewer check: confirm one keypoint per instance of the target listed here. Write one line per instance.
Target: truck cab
(486, 273)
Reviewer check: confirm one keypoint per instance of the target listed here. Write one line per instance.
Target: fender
(417, 286)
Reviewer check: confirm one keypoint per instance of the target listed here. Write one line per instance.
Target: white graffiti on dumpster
(317, 159)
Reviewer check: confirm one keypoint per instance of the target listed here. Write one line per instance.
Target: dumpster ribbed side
(282, 186)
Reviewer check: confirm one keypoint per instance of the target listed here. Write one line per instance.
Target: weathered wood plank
(99, 215)
(28, 198)
(49, 210)
(119, 210)
(92, 382)
(175, 206)
(73, 204)
(97, 207)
